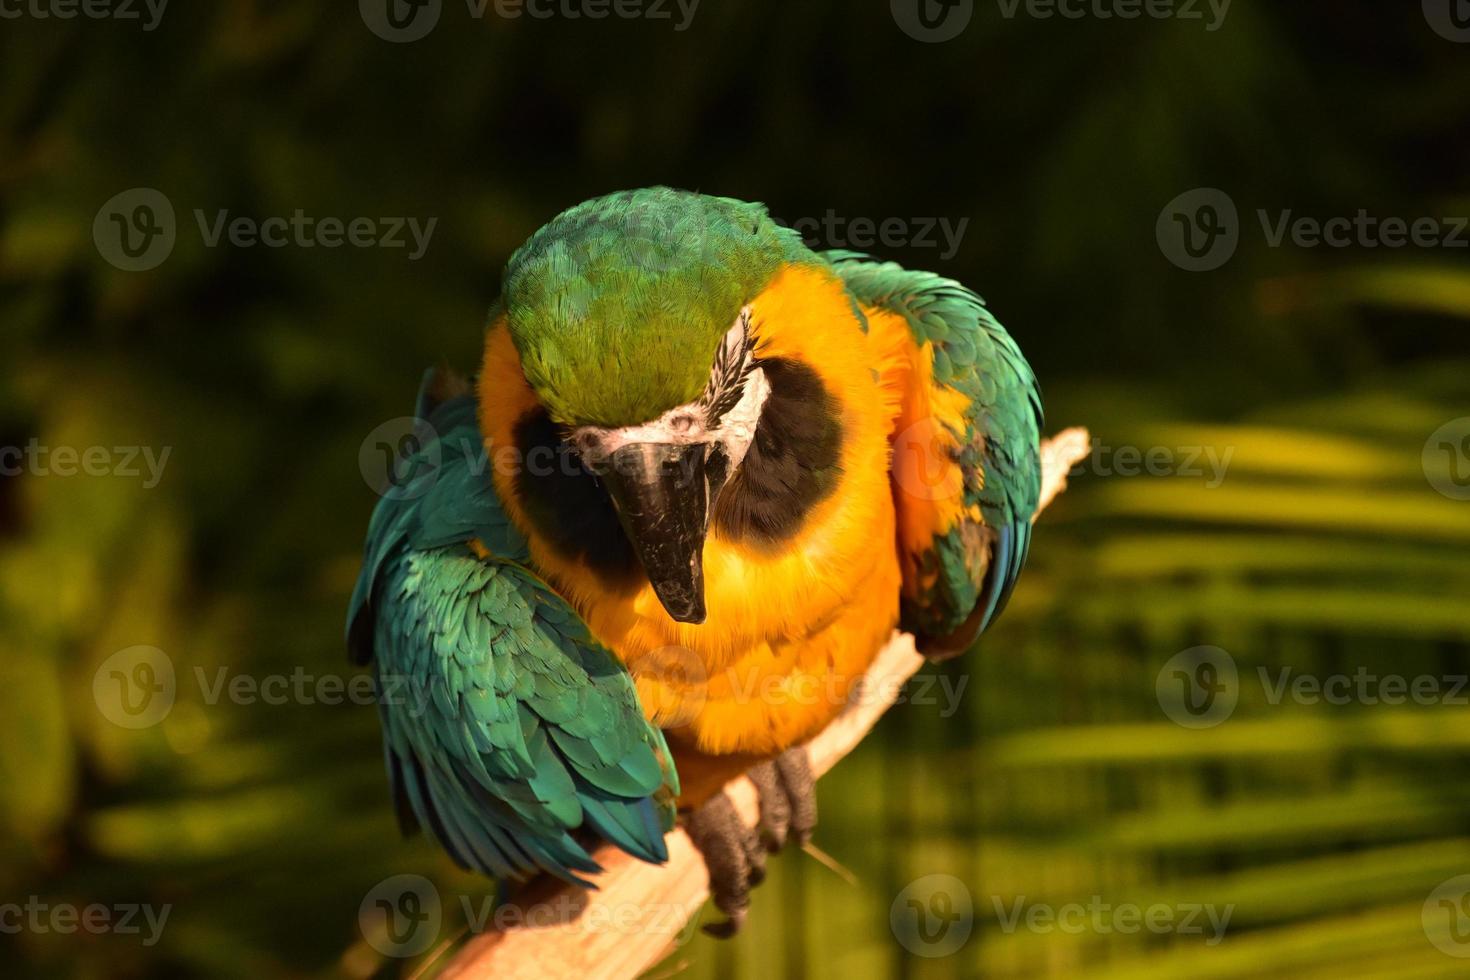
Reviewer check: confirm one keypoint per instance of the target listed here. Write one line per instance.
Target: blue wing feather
(522, 732)
(975, 565)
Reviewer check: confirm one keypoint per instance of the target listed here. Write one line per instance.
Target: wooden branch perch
(640, 910)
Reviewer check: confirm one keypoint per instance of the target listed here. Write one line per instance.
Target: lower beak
(662, 501)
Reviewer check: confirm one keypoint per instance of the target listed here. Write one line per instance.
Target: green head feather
(617, 305)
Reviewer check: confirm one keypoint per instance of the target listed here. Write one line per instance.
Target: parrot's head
(630, 315)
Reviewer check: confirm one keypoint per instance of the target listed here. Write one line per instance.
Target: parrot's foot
(788, 795)
(736, 855)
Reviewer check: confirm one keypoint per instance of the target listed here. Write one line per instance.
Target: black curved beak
(662, 500)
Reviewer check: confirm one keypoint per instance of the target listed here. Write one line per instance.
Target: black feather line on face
(728, 376)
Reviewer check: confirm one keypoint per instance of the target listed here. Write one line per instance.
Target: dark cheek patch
(793, 463)
(568, 506)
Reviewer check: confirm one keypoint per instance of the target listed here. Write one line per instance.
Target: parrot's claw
(735, 854)
(788, 794)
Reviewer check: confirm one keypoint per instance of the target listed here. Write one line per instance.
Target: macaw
(702, 475)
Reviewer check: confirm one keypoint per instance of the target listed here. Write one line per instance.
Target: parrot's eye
(587, 446)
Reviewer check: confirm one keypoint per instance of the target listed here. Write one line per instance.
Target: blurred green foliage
(1323, 371)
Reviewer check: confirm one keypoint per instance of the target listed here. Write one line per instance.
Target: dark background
(1322, 371)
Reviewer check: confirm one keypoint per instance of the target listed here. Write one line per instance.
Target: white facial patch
(737, 428)
(692, 422)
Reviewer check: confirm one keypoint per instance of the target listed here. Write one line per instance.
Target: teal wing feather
(969, 571)
(509, 731)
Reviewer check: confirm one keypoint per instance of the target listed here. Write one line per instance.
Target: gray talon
(775, 807)
(735, 854)
(726, 929)
(719, 835)
(800, 788)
